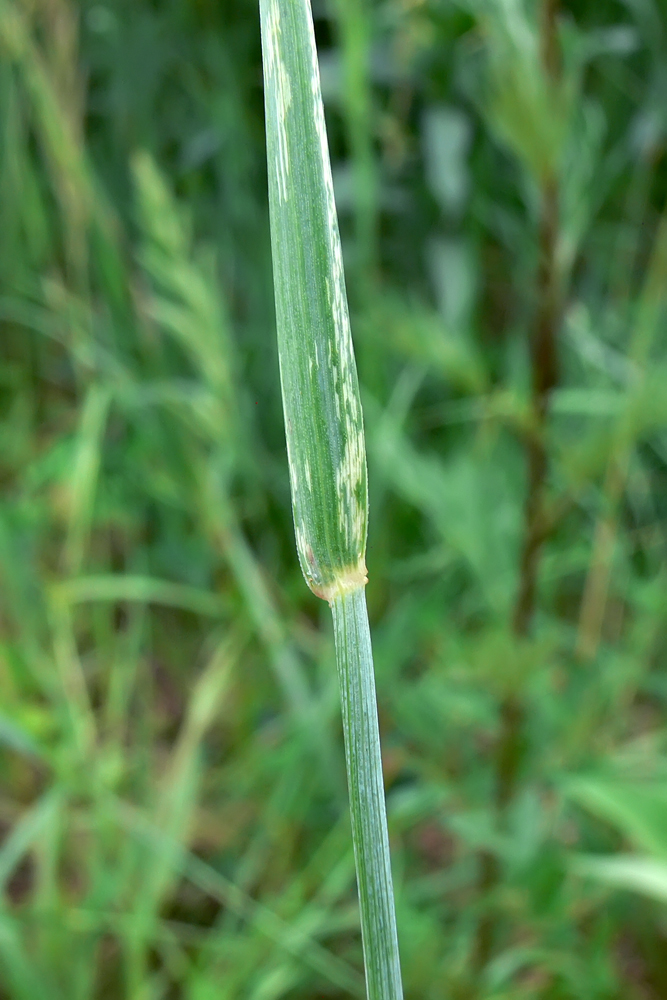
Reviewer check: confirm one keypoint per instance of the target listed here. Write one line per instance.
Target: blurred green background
(173, 814)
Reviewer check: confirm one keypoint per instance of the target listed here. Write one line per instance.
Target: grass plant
(325, 440)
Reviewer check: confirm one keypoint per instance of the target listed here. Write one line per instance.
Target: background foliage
(171, 776)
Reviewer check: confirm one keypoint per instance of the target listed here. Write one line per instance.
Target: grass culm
(325, 440)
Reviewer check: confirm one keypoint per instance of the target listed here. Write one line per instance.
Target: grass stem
(354, 659)
(324, 432)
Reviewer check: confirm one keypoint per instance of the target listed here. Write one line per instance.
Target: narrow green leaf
(143, 590)
(323, 420)
(647, 876)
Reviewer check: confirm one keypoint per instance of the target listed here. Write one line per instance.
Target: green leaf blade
(323, 419)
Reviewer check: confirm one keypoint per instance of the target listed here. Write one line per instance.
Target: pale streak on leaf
(322, 406)
(281, 90)
(351, 471)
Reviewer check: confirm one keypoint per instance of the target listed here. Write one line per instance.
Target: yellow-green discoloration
(281, 93)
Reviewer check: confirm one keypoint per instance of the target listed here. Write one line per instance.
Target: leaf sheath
(354, 658)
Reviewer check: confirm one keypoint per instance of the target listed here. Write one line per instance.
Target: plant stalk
(544, 376)
(354, 659)
(324, 433)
